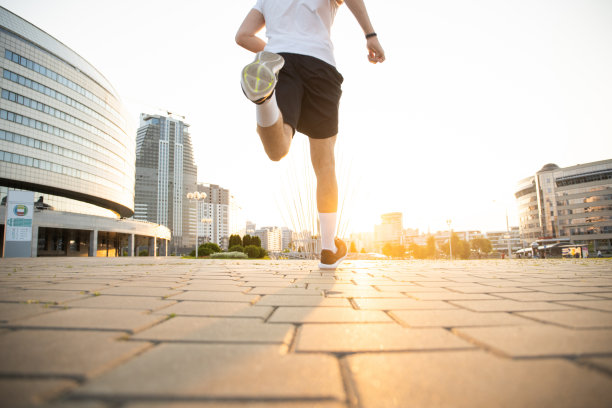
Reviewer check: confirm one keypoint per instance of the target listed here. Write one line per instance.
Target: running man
(295, 85)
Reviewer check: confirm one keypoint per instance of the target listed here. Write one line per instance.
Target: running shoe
(259, 78)
(331, 260)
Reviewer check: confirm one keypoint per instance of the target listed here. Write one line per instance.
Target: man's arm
(252, 24)
(375, 50)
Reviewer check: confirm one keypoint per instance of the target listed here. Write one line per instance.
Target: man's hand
(375, 51)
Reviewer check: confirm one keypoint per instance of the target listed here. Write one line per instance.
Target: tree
(246, 240)
(234, 240)
(363, 251)
(254, 251)
(430, 249)
(353, 248)
(394, 250)
(212, 246)
(255, 240)
(236, 248)
(417, 251)
(482, 245)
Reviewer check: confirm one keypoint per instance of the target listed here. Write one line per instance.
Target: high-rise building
(250, 227)
(271, 238)
(286, 238)
(213, 217)
(572, 204)
(165, 173)
(237, 220)
(65, 135)
(390, 230)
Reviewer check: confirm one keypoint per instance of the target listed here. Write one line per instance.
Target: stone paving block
(278, 283)
(151, 284)
(507, 305)
(10, 312)
(603, 363)
(576, 319)
(121, 302)
(474, 379)
(540, 340)
(74, 286)
(216, 288)
(543, 296)
(327, 315)
(407, 288)
(457, 318)
(264, 290)
(215, 296)
(58, 352)
(401, 304)
(235, 309)
(41, 296)
(207, 329)
(139, 291)
(451, 296)
(477, 288)
(603, 305)
(93, 319)
(345, 338)
(605, 295)
(245, 404)
(361, 292)
(21, 392)
(301, 300)
(221, 371)
(571, 289)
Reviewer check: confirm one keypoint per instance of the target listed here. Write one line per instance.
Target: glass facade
(572, 204)
(63, 129)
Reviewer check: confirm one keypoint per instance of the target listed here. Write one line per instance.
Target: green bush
(262, 252)
(229, 255)
(144, 252)
(236, 248)
(253, 251)
(211, 246)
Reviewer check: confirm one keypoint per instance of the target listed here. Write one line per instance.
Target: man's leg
(276, 139)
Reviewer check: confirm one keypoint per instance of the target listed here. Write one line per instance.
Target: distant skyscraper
(165, 173)
(250, 227)
(215, 209)
(286, 238)
(271, 238)
(390, 230)
(237, 220)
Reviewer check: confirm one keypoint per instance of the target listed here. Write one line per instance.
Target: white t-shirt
(299, 26)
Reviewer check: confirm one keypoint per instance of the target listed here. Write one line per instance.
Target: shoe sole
(331, 266)
(258, 78)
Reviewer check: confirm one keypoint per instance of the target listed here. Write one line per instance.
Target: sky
(474, 96)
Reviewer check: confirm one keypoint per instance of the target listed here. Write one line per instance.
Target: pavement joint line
(130, 398)
(353, 304)
(481, 345)
(395, 318)
(80, 379)
(297, 328)
(274, 309)
(348, 383)
(592, 366)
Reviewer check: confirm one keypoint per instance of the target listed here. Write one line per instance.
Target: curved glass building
(571, 204)
(64, 134)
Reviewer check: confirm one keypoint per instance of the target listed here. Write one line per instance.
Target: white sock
(267, 113)
(327, 222)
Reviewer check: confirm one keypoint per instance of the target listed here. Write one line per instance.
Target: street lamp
(450, 238)
(196, 196)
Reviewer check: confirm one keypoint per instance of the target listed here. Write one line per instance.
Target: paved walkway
(146, 332)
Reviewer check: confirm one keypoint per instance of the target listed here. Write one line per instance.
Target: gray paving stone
(362, 292)
(206, 329)
(221, 371)
(605, 295)
(139, 291)
(327, 315)
(20, 392)
(74, 286)
(543, 296)
(215, 296)
(198, 308)
(457, 318)
(474, 379)
(95, 319)
(301, 300)
(401, 304)
(215, 288)
(121, 302)
(540, 340)
(572, 289)
(576, 319)
(489, 289)
(10, 312)
(41, 296)
(344, 338)
(507, 305)
(54, 352)
(266, 290)
(603, 305)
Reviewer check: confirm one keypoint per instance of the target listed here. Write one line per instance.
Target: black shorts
(308, 95)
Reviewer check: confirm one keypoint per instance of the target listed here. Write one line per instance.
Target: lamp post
(450, 238)
(196, 196)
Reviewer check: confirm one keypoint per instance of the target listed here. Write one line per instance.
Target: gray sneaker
(259, 78)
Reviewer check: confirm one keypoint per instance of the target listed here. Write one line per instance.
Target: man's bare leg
(276, 139)
(324, 165)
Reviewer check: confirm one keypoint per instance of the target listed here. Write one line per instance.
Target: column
(93, 243)
(34, 250)
(131, 240)
(152, 245)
